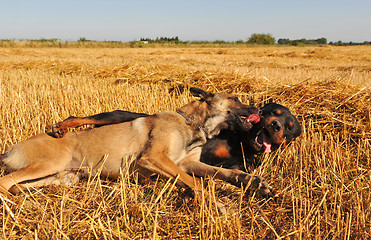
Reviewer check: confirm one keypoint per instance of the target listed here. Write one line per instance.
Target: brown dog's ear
(204, 95)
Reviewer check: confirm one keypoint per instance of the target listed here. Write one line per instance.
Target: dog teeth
(260, 136)
(257, 137)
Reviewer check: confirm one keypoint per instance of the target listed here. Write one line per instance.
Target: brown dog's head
(217, 111)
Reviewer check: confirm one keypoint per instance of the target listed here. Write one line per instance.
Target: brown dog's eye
(235, 99)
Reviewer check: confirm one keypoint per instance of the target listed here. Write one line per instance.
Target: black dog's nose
(276, 126)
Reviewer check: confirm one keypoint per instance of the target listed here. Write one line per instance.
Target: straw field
(323, 177)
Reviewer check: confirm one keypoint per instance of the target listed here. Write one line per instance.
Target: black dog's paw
(59, 130)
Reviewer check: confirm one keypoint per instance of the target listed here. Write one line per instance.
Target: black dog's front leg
(106, 118)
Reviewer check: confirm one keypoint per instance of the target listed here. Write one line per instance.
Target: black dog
(236, 149)
(231, 148)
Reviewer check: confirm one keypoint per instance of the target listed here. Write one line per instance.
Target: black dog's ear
(204, 95)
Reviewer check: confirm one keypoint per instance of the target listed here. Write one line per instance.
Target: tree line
(254, 39)
(303, 41)
(258, 39)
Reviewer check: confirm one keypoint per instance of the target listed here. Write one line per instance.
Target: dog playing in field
(168, 143)
(231, 148)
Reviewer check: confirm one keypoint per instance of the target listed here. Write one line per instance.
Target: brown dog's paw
(261, 186)
(275, 195)
(255, 182)
(263, 190)
(59, 130)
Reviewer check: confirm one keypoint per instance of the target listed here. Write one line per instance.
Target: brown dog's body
(167, 143)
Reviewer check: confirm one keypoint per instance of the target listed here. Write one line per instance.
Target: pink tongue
(253, 118)
(267, 144)
(267, 147)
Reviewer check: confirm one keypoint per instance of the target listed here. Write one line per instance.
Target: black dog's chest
(229, 151)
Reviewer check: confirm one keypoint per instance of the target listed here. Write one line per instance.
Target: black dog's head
(277, 127)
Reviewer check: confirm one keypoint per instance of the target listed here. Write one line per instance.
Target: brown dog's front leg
(233, 176)
(167, 168)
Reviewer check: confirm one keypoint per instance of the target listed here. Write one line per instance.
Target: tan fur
(167, 143)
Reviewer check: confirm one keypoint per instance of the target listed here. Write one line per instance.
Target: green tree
(82, 39)
(321, 41)
(261, 38)
(284, 41)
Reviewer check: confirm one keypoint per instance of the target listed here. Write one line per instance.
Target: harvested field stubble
(323, 178)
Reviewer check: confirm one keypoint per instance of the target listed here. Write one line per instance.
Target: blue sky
(190, 20)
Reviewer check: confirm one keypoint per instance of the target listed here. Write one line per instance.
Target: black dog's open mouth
(248, 121)
(262, 140)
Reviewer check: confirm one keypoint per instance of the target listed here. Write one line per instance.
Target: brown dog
(167, 143)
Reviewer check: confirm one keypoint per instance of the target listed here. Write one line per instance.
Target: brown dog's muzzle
(247, 116)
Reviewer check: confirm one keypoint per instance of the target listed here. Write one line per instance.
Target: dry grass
(323, 177)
